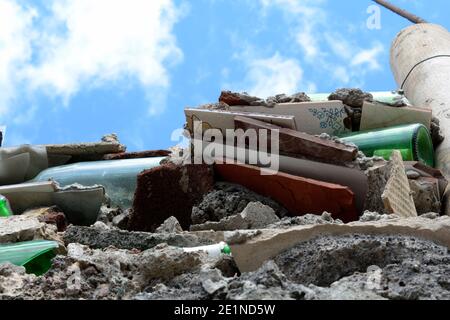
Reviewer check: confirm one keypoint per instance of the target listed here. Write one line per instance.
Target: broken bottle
(413, 141)
(35, 256)
(5, 208)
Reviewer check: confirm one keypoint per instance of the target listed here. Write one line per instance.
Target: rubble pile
(353, 210)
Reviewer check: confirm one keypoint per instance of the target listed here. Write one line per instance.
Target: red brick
(298, 195)
(169, 190)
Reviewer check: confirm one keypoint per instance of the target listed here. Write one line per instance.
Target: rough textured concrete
(308, 219)
(243, 99)
(251, 255)
(99, 274)
(227, 200)
(169, 190)
(103, 238)
(426, 195)
(171, 225)
(22, 228)
(351, 97)
(255, 216)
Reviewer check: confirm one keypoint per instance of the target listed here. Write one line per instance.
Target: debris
(436, 133)
(310, 117)
(137, 155)
(250, 255)
(308, 219)
(302, 144)
(397, 195)
(121, 239)
(5, 208)
(223, 120)
(35, 256)
(255, 216)
(80, 204)
(50, 215)
(81, 152)
(369, 216)
(20, 164)
(413, 141)
(351, 97)
(243, 99)
(227, 200)
(118, 177)
(171, 225)
(258, 215)
(22, 228)
(298, 195)
(237, 99)
(426, 195)
(169, 190)
(375, 116)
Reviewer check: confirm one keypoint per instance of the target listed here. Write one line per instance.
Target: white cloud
(83, 43)
(15, 48)
(274, 75)
(324, 47)
(369, 57)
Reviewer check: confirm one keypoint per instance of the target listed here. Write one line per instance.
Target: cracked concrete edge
(251, 254)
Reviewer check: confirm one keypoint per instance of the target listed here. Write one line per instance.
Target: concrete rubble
(331, 224)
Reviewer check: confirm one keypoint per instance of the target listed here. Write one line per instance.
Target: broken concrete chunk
(258, 215)
(397, 195)
(375, 116)
(298, 195)
(227, 200)
(22, 228)
(171, 225)
(137, 155)
(103, 238)
(166, 191)
(252, 254)
(302, 144)
(426, 195)
(237, 99)
(351, 97)
(436, 133)
(80, 152)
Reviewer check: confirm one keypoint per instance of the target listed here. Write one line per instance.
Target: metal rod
(405, 14)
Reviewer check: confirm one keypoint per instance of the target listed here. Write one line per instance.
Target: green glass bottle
(413, 141)
(36, 256)
(5, 209)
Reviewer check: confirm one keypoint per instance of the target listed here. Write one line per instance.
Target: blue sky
(74, 70)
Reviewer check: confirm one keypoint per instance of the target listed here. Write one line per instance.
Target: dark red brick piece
(302, 144)
(298, 195)
(56, 217)
(137, 155)
(169, 190)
